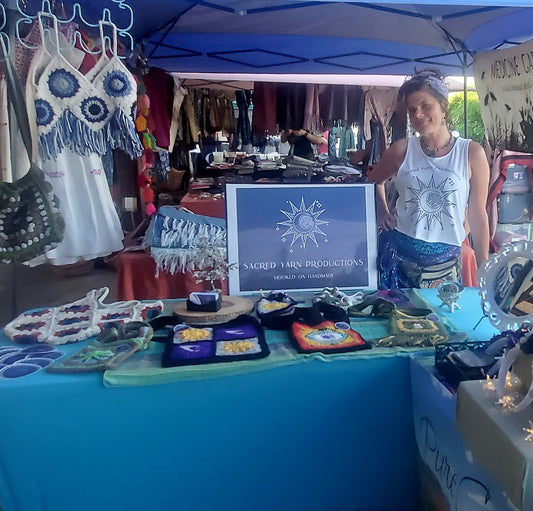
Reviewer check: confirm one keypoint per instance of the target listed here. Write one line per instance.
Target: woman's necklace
(433, 152)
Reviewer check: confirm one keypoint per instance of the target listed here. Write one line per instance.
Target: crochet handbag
(30, 221)
(78, 320)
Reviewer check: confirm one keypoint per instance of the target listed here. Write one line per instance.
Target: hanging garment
(86, 114)
(244, 131)
(6, 175)
(92, 225)
(264, 118)
(290, 105)
(380, 103)
(212, 113)
(229, 123)
(179, 93)
(192, 128)
(77, 177)
(378, 141)
(312, 109)
(26, 48)
(340, 102)
(159, 87)
(346, 140)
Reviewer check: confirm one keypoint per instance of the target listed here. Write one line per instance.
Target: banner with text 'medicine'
(504, 82)
(301, 237)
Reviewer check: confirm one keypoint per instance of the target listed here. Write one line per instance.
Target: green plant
(476, 130)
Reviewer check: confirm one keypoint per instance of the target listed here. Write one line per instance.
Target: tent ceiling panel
(266, 53)
(297, 36)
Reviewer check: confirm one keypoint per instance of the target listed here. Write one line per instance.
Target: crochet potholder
(78, 320)
(326, 337)
(242, 338)
(103, 353)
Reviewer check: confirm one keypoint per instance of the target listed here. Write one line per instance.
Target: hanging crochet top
(91, 113)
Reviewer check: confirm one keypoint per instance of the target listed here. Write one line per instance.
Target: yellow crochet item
(194, 334)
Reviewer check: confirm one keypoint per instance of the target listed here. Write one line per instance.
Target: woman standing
(441, 182)
(301, 142)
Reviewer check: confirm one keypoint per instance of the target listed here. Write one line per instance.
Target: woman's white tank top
(433, 193)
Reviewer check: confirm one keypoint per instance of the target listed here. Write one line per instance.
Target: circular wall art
(506, 286)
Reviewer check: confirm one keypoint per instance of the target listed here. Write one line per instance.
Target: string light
(529, 431)
(507, 402)
(489, 384)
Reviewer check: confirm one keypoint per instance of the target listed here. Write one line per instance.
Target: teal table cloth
(302, 434)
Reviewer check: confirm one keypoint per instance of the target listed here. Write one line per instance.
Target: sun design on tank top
(431, 201)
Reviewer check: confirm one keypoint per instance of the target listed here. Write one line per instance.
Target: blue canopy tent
(312, 37)
(321, 37)
(306, 36)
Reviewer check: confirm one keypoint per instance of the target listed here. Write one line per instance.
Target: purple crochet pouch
(242, 338)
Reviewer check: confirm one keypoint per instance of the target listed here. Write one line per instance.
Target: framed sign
(299, 237)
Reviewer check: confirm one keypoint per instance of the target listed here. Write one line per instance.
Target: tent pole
(465, 96)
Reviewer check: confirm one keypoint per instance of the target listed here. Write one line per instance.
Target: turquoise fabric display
(145, 369)
(278, 422)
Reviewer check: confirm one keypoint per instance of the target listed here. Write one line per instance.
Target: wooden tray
(232, 307)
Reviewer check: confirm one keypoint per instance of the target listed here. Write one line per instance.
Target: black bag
(30, 220)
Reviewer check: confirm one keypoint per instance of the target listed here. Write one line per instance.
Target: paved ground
(23, 288)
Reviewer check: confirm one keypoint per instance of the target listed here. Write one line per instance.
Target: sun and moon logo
(431, 202)
(303, 223)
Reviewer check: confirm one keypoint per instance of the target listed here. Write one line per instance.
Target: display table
(137, 280)
(316, 435)
(325, 433)
(207, 206)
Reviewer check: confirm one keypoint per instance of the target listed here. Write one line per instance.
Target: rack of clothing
(81, 102)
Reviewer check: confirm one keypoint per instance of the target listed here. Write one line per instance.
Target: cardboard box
(497, 440)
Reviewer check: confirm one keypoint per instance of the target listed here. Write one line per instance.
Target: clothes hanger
(112, 41)
(5, 47)
(77, 16)
(3, 17)
(53, 31)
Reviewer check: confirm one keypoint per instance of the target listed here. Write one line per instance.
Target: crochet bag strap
(30, 220)
(15, 96)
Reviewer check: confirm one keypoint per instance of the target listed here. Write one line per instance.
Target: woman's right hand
(387, 221)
